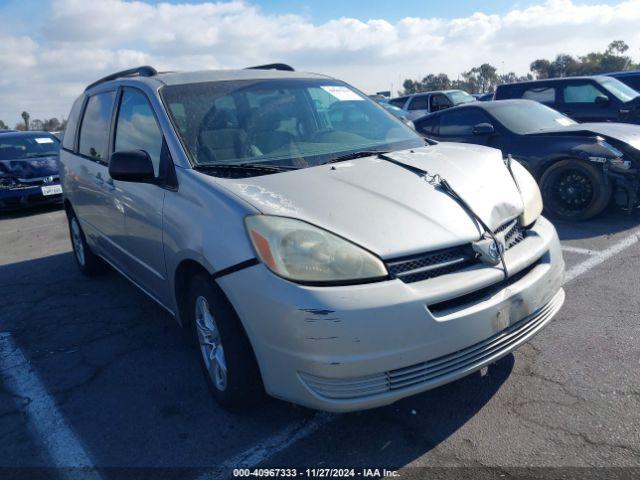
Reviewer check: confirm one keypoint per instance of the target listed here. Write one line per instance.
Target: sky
(51, 49)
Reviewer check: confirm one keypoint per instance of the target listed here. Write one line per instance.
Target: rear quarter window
(540, 94)
(398, 102)
(69, 140)
(419, 103)
(94, 131)
(633, 82)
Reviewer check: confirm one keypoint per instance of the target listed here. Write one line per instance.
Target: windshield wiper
(257, 167)
(354, 155)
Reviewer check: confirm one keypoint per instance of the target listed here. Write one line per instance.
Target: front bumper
(356, 347)
(22, 197)
(626, 188)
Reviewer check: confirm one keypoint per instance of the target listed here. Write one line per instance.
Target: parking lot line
(43, 416)
(581, 251)
(599, 257)
(273, 444)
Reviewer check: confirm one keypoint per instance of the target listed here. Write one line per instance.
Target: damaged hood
(624, 132)
(25, 168)
(386, 208)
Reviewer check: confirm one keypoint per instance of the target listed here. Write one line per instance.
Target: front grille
(432, 264)
(438, 370)
(514, 234)
(423, 266)
(38, 181)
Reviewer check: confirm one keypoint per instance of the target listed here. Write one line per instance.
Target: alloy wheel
(573, 190)
(76, 239)
(210, 343)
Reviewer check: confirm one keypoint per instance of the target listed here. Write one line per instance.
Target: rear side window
(94, 131)
(419, 103)
(69, 140)
(543, 94)
(462, 122)
(633, 82)
(137, 129)
(398, 102)
(582, 93)
(440, 102)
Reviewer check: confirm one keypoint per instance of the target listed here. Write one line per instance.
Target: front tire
(225, 353)
(574, 190)
(89, 263)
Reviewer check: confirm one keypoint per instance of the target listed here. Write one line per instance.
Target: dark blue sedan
(28, 169)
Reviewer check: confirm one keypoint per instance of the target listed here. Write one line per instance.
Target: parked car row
(319, 248)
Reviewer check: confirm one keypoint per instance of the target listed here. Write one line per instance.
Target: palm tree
(25, 116)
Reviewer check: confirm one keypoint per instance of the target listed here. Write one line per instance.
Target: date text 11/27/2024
(316, 472)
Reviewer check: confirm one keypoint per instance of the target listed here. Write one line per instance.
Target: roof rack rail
(273, 66)
(143, 71)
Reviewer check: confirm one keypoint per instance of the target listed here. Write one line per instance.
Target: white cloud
(44, 69)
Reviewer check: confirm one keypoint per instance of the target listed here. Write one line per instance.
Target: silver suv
(317, 247)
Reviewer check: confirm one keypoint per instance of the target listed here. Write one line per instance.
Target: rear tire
(574, 190)
(225, 353)
(89, 263)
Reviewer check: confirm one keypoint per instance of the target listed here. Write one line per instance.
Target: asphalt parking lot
(94, 374)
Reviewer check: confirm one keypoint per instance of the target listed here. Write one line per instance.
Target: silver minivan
(320, 250)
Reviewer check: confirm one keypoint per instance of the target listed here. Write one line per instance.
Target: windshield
(459, 97)
(528, 116)
(620, 90)
(15, 147)
(289, 123)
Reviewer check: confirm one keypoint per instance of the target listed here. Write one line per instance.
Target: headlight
(301, 252)
(530, 193)
(616, 161)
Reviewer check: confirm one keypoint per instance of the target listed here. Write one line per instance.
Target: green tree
(51, 125)
(593, 63)
(25, 117)
(484, 78)
(37, 124)
(618, 47)
(429, 83)
(3, 126)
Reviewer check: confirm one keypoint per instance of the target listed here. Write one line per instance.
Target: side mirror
(483, 129)
(131, 166)
(602, 100)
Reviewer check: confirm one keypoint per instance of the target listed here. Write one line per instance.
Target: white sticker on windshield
(564, 121)
(44, 140)
(341, 93)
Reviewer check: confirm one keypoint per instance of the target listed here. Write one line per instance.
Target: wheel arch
(602, 189)
(185, 270)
